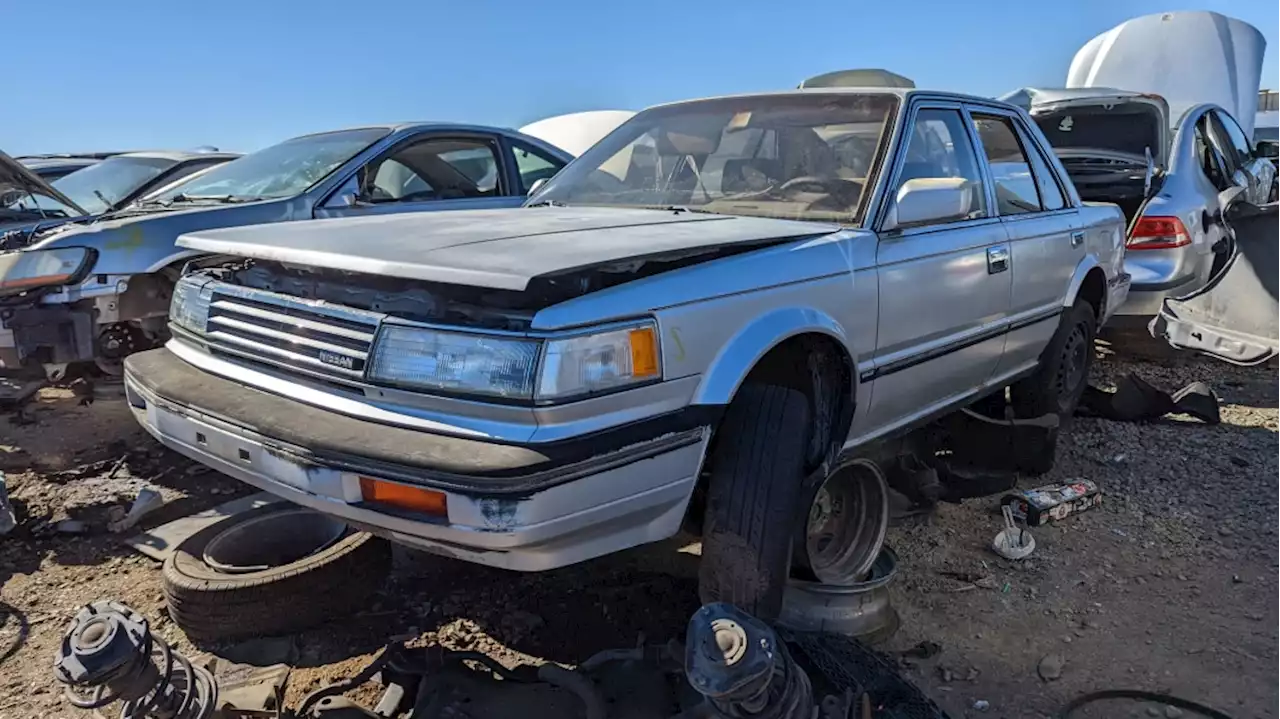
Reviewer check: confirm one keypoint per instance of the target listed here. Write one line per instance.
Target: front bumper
(523, 507)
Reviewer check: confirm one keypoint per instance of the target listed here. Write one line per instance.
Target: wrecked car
(1120, 147)
(96, 292)
(1156, 118)
(689, 326)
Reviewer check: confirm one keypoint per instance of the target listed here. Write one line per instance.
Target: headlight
(454, 362)
(509, 367)
(598, 362)
(189, 308)
(23, 270)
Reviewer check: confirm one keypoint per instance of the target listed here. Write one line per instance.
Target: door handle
(997, 259)
(1077, 239)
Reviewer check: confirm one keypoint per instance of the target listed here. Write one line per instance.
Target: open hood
(1188, 58)
(14, 177)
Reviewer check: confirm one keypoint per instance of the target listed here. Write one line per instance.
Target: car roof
(902, 93)
(181, 155)
(420, 125)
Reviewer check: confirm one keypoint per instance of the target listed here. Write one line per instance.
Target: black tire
(757, 467)
(208, 604)
(1063, 374)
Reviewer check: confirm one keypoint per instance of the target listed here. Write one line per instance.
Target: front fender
(741, 353)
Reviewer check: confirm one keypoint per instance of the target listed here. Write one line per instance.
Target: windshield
(99, 187)
(1129, 128)
(278, 171)
(795, 156)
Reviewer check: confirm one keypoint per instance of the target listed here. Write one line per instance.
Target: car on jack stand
(92, 293)
(736, 315)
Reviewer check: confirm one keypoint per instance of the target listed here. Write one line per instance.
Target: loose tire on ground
(757, 468)
(208, 604)
(1057, 385)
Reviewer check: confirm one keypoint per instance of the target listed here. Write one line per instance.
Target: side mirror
(1269, 149)
(537, 185)
(348, 195)
(927, 200)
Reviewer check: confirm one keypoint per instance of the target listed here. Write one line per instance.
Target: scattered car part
(1013, 542)
(738, 664)
(271, 570)
(7, 519)
(1053, 502)
(860, 609)
(1137, 400)
(1233, 316)
(160, 542)
(109, 654)
(846, 523)
(147, 501)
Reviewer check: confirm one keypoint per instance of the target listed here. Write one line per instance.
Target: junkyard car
(689, 325)
(1107, 139)
(100, 291)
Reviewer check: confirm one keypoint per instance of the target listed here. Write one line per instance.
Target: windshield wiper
(548, 203)
(107, 204)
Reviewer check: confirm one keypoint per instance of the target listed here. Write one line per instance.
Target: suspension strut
(738, 664)
(109, 654)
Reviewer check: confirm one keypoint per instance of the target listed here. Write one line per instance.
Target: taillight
(1158, 233)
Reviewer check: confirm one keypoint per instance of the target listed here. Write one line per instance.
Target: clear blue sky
(242, 75)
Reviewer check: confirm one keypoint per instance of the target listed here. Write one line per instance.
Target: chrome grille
(315, 338)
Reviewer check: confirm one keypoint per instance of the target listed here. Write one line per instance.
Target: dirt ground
(1170, 586)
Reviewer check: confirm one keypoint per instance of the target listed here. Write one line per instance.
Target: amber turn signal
(403, 496)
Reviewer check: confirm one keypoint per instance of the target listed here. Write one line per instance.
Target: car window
(1016, 191)
(1210, 154)
(435, 169)
(940, 147)
(1236, 140)
(533, 165)
(1051, 197)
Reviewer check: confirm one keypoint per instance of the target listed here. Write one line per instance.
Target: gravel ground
(1171, 585)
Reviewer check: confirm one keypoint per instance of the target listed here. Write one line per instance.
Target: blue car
(100, 291)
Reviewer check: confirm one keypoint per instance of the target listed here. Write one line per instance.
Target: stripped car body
(1233, 317)
(534, 387)
(118, 300)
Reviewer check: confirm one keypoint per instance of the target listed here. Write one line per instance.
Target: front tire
(1063, 374)
(757, 467)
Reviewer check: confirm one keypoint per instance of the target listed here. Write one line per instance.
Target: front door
(944, 287)
(427, 174)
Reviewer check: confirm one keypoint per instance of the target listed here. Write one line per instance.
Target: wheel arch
(1089, 282)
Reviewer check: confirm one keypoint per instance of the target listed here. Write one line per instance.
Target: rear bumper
(519, 507)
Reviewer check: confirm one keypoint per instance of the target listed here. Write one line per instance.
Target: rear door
(944, 287)
(1046, 241)
(427, 173)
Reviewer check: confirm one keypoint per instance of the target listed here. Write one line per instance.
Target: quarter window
(1236, 141)
(533, 165)
(940, 148)
(1050, 193)
(1016, 191)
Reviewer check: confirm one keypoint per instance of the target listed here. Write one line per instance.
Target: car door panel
(944, 288)
(1046, 240)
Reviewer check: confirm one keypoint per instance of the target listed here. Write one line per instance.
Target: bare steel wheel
(846, 523)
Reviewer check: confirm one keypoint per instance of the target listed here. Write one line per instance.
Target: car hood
(1189, 58)
(500, 249)
(142, 242)
(15, 176)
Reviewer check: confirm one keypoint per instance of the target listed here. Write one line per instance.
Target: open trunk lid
(1188, 58)
(1233, 317)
